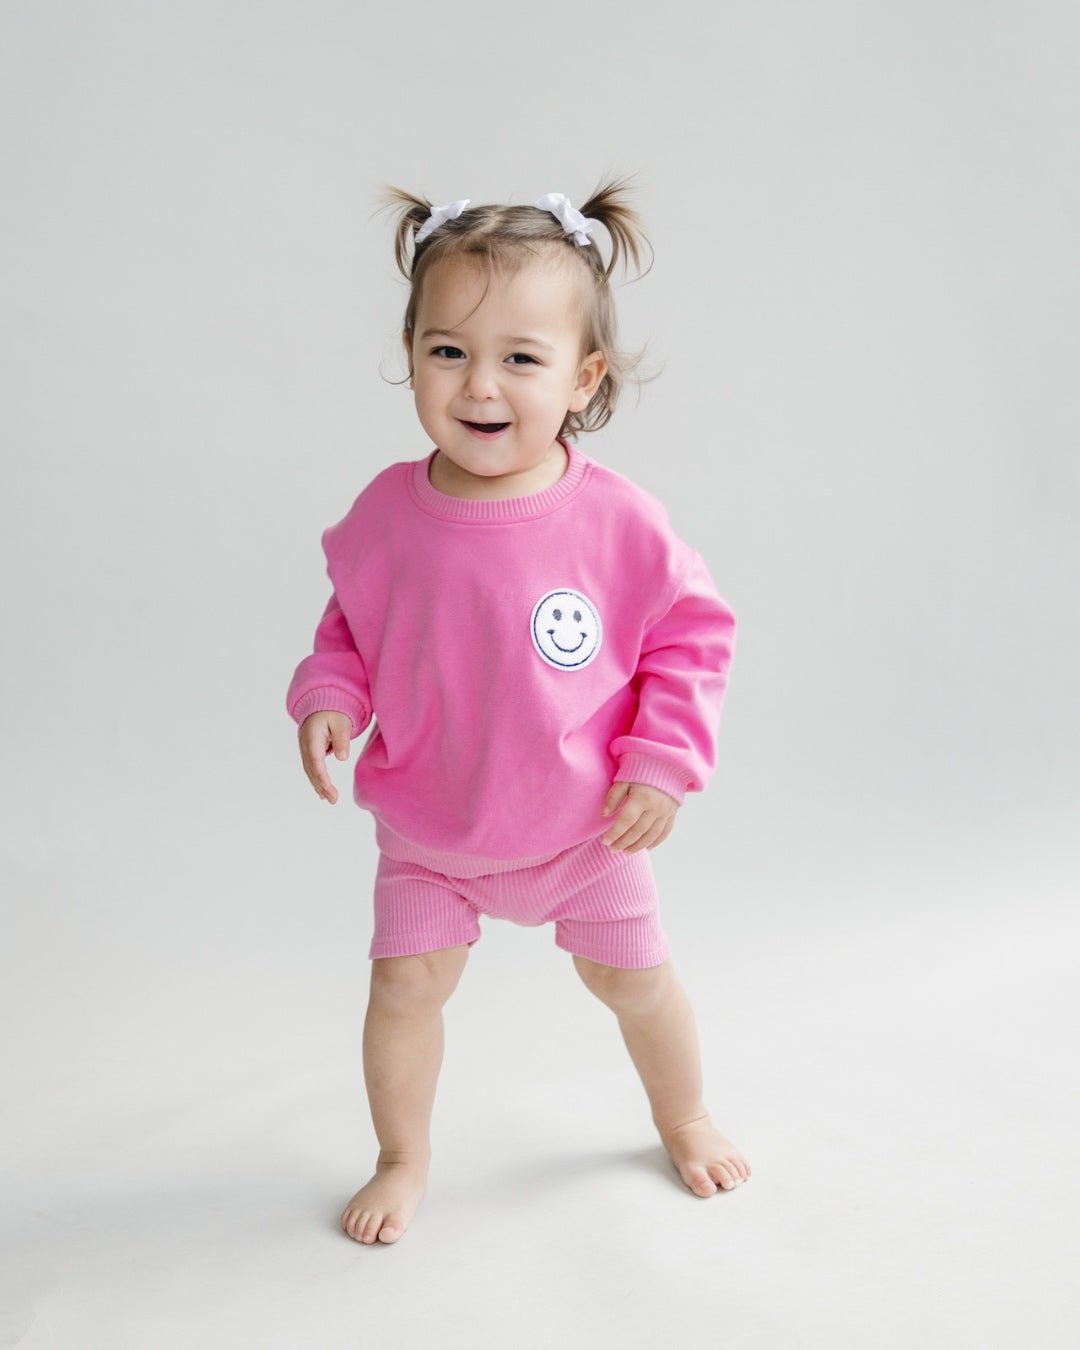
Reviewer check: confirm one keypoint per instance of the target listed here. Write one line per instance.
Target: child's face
(480, 368)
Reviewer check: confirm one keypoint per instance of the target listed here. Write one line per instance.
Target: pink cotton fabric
(518, 656)
(602, 902)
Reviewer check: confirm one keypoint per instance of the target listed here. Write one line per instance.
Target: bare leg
(403, 1053)
(657, 1024)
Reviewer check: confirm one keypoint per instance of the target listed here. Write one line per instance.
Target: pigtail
(412, 213)
(608, 204)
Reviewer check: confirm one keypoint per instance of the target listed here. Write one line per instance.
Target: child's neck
(447, 477)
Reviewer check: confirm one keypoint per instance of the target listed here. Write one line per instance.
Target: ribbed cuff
(330, 698)
(635, 767)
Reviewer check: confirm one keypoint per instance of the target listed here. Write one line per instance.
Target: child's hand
(319, 734)
(646, 820)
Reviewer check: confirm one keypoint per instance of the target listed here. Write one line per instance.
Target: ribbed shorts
(603, 904)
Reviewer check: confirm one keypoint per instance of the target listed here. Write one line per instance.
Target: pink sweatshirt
(519, 656)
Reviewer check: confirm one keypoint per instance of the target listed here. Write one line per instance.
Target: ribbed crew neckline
(527, 507)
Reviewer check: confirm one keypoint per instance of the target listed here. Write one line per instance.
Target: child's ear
(592, 371)
(408, 351)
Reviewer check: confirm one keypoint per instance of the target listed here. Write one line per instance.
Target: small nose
(480, 382)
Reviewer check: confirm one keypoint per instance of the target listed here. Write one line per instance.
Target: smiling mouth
(566, 650)
(486, 426)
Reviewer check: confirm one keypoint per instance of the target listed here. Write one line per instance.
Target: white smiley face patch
(565, 629)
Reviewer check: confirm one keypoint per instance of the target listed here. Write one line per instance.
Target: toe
(721, 1174)
(700, 1181)
(390, 1231)
(372, 1227)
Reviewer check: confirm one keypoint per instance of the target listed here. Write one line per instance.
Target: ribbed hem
(330, 698)
(638, 943)
(504, 509)
(399, 848)
(635, 767)
(413, 944)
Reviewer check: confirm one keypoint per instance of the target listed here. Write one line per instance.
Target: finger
(633, 829)
(340, 740)
(616, 794)
(648, 840)
(318, 777)
(635, 839)
(667, 830)
(322, 785)
(618, 827)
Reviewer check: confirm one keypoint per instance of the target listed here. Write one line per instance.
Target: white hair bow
(572, 221)
(439, 216)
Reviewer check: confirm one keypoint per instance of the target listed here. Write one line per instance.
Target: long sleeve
(680, 680)
(333, 677)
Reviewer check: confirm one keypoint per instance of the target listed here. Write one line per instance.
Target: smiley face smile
(551, 635)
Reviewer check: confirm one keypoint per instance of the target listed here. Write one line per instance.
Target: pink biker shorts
(603, 904)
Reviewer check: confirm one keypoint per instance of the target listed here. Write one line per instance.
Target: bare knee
(420, 982)
(625, 990)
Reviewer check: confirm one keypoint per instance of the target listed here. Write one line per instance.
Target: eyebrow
(446, 332)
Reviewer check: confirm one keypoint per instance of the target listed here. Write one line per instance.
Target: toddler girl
(546, 661)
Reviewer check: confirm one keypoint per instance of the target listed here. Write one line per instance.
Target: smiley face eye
(557, 614)
(577, 615)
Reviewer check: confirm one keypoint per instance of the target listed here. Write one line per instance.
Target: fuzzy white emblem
(565, 628)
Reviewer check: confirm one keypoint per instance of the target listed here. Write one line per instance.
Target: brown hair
(505, 238)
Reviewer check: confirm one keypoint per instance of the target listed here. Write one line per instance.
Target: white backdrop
(864, 299)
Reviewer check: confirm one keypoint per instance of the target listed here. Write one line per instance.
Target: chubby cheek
(433, 392)
(545, 398)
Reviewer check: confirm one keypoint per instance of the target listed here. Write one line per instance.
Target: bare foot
(706, 1161)
(382, 1209)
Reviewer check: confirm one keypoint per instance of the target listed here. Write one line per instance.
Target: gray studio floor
(184, 1119)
